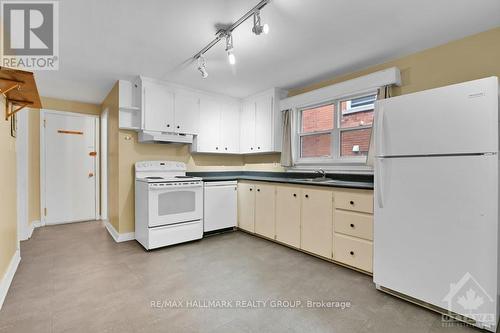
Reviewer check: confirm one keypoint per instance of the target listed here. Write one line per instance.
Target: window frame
(335, 146)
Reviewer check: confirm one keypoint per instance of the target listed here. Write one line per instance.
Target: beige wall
(34, 146)
(462, 60)
(8, 210)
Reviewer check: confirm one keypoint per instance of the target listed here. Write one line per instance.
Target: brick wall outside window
(318, 119)
(323, 119)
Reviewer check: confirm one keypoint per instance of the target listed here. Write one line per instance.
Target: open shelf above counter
(19, 90)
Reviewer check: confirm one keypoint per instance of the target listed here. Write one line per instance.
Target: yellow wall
(8, 210)
(34, 146)
(462, 60)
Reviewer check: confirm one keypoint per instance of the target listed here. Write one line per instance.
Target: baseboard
(116, 235)
(8, 276)
(29, 230)
(36, 224)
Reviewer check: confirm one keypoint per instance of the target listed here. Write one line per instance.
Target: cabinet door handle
(351, 202)
(178, 126)
(168, 125)
(295, 194)
(258, 190)
(250, 189)
(216, 148)
(225, 148)
(251, 148)
(258, 147)
(307, 195)
(351, 253)
(352, 225)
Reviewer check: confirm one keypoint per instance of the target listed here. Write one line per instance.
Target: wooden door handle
(91, 174)
(93, 153)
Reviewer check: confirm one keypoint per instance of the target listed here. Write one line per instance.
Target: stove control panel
(160, 166)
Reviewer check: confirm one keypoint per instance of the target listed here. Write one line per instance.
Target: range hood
(164, 137)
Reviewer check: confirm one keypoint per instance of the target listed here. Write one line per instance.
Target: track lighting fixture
(229, 48)
(226, 32)
(202, 66)
(258, 28)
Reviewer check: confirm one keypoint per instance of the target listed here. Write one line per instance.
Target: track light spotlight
(229, 48)
(202, 66)
(258, 28)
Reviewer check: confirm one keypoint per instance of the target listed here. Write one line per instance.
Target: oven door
(175, 203)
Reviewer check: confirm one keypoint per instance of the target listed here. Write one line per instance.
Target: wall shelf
(19, 90)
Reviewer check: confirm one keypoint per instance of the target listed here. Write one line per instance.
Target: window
(336, 132)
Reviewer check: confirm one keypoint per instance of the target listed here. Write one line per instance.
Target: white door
(209, 136)
(457, 119)
(247, 124)
(158, 106)
(69, 170)
(187, 112)
(230, 119)
(436, 218)
(263, 123)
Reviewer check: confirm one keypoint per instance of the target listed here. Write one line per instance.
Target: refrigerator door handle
(380, 132)
(379, 182)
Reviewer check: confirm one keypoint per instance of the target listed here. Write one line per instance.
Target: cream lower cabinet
(353, 228)
(246, 206)
(265, 198)
(333, 223)
(317, 221)
(288, 215)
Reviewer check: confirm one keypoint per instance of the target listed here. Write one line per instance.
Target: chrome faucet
(321, 172)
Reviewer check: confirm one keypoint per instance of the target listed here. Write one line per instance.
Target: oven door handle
(174, 187)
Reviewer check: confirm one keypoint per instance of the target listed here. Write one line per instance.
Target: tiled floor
(75, 278)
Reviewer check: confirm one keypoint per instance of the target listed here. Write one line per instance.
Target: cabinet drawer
(353, 224)
(355, 200)
(353, 252)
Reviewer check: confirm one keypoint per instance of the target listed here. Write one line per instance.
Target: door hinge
(45, 211)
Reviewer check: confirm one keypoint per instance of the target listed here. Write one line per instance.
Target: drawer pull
(295, 194)
(352, 225)
(351, 253)
(307, 195)
(351, 202)
(258, 190)
(250, 189)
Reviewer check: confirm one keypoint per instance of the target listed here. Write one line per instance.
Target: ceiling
(102, 41)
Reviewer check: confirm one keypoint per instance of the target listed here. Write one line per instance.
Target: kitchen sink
(315, 180)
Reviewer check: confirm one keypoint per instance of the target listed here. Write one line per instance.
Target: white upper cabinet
(157, 107)
(230, 128)
(217, 123)
(187, 112)
(208, 138)
(264, 123)
(261, 123)
(247, 127)
(219, 130)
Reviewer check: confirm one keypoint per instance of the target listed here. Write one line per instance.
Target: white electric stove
(168, 204)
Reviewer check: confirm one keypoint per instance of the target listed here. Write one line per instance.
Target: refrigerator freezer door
(457, 119)
(436, 219)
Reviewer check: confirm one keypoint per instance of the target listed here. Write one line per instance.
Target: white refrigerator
(436, 199)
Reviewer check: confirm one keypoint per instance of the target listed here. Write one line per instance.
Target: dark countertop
(339, 180)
